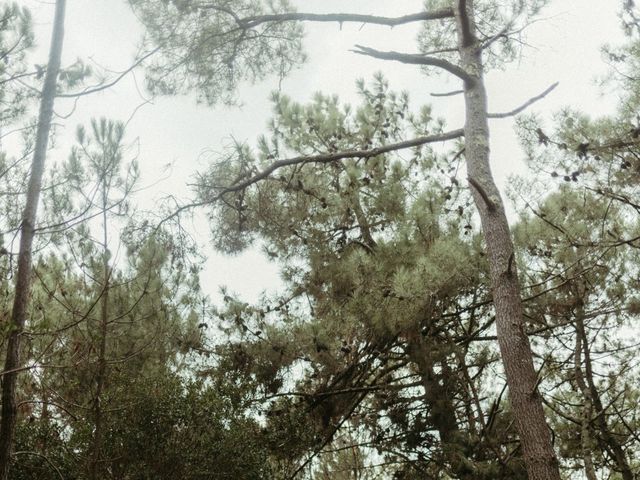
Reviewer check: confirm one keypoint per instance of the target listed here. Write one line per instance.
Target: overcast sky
(564, 46)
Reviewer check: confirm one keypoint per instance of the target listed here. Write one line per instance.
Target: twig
(99, 88)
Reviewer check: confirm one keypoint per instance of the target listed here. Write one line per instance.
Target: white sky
(565, 47)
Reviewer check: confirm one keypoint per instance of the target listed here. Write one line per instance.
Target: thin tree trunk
(587, 408)
(517, 358)
(27, 232)
(96, 448)
(612, 445)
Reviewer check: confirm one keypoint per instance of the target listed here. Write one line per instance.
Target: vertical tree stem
(27, 232)
(517, 357)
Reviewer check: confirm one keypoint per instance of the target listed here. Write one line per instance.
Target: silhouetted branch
(447, 94)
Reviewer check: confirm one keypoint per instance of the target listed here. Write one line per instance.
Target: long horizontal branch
(343, 155)
(417, 59)
(322, 158)
(349, 17)
(254, 21)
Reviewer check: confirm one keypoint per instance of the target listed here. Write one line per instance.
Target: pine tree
(27, 230)
(453, 44)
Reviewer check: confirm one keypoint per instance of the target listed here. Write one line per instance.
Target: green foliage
(501, 22)
(377, 359)
(582, 299)
(209, 50)
(165, 428)
(379, 257)
(321, 203)
(16, 41)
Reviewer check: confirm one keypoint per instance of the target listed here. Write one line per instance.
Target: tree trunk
(98, 413)
(587, 408)
(27, 232)
(591, 394)
(517, 358)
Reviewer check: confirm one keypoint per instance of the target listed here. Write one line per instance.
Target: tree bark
(27, 233)
(517, 358)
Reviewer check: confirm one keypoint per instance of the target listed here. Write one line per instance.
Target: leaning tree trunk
(27, 232)
(517, 358)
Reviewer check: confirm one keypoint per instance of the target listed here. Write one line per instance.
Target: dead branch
(447, 94)
(417, 59)
(525, 105)
(252, 22)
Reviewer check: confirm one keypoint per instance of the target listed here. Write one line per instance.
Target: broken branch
(488, 202)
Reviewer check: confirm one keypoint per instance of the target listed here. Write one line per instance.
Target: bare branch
(447, 94)
(332, 157)
(524, 105)
(503, 33)
(251, 22)
(417, 59)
